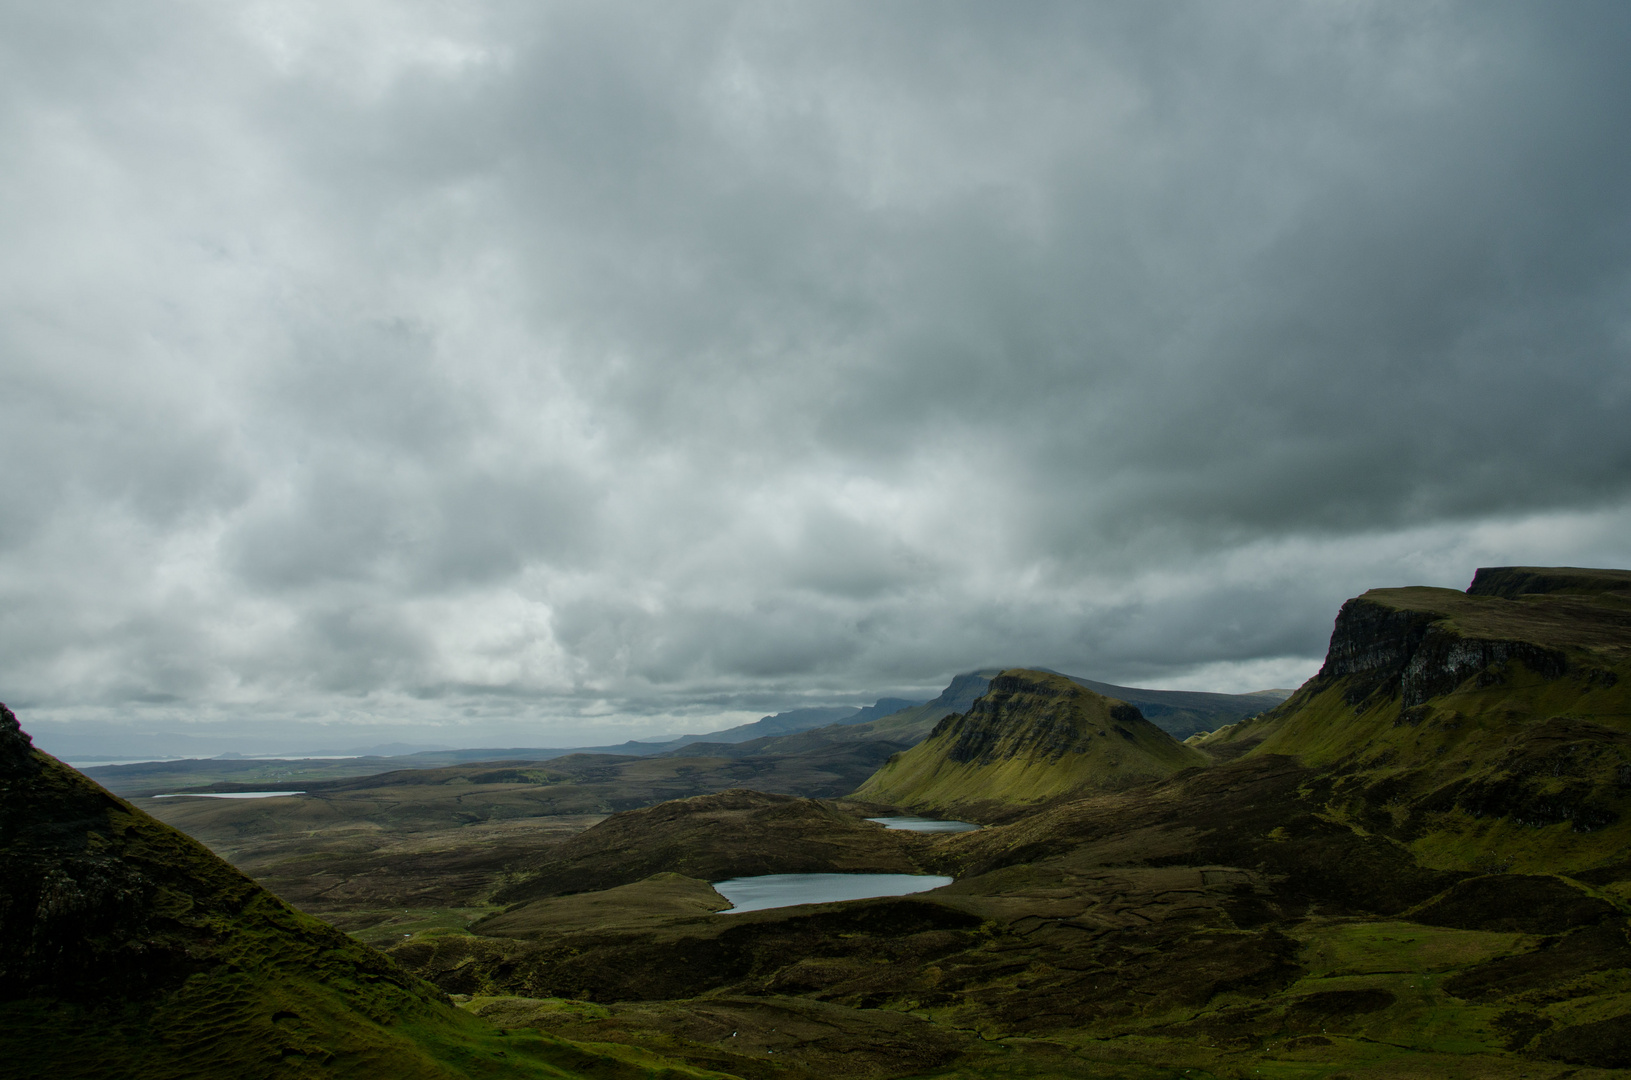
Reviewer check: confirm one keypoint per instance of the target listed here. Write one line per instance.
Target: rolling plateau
(1416, 865)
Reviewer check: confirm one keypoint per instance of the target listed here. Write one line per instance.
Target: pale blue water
(784, 890)
(923, 824)
(228, 794)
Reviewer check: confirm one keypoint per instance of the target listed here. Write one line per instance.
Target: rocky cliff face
(991, 732)
(1418, 653)
(1033, 736)
(1467, 723)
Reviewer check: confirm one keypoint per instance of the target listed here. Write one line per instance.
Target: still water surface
(923, 824)
(228, 794)
(783, 890)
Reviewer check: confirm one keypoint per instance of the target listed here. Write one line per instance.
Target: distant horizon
(568, 373)
(403, 749)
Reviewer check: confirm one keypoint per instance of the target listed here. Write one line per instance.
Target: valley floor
(1111, 936)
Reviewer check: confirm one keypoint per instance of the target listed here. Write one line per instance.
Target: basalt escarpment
(1415, 867)
(987, 733)
(1033, 736)
(1407, 648)
(1381, 647)
(1475, 726)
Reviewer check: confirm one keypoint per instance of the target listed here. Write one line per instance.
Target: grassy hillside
(1033, 736)
(1416, 867)
(1180, 713)
(713, 837)
(128, 950)
(394, 852)
(1484, 730)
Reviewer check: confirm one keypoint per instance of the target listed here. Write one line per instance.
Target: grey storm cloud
(519, 371)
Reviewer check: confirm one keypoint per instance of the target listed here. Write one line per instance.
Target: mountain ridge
(1031, 737)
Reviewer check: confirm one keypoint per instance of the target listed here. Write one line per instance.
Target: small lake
(923, 824)
(228, 794)
(784, 890)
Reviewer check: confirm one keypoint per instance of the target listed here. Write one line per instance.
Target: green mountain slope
(1483, 729)
(1417, 867)
(731, 834)
(128, 950)
(1180, 713)
(1033, 736)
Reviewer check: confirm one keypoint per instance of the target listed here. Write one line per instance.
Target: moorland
(1418, 864)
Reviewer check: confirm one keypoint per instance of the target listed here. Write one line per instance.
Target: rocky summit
(1033, 737)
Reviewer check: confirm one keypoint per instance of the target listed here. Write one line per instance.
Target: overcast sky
(539, 373)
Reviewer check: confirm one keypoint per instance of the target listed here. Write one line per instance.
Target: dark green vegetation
(128, 950)
(1416, 867)
(384, 853)
(1032, 738)
(392, 853)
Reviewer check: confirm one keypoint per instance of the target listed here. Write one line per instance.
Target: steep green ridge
(1416, 867)
(128, 950)
(1033, 736)
(1481, 728)
(1179, 713)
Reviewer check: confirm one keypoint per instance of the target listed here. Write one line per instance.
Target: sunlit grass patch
(393, 926)
(1359, 946)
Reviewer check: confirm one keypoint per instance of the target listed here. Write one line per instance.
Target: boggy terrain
(395, 850)
(383, 846)
(1416, 866)
(416, 848)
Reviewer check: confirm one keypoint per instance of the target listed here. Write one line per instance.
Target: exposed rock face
(1033, 736)
(1417, 653)
(986, 735)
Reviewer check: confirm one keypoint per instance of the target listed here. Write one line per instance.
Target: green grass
(383, 928)
(1045, 738)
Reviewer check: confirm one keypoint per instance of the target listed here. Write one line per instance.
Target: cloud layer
(538, 372)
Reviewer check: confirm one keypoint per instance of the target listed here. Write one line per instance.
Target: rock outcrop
(1033, 736)
(1418, 652)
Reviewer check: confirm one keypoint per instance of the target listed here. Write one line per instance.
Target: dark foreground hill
(129, 951)
(1416, 867)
